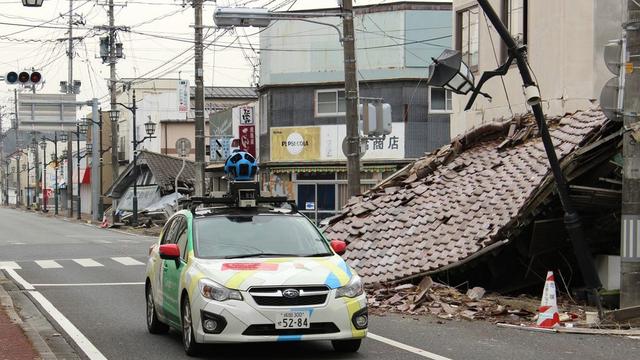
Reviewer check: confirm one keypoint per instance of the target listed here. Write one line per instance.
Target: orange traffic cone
(105, 222)
(548, 316)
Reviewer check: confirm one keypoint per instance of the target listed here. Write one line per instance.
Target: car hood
(241, 274)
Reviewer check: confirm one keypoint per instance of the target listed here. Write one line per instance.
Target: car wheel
(346, 346)
(154, 325)
(191, 347)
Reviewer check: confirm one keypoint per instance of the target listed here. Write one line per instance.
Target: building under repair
(483, 209)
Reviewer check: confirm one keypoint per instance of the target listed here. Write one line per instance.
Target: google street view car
(247, 268)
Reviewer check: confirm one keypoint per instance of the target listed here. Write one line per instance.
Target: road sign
(47, 112)
(220, 148)
(183, 147)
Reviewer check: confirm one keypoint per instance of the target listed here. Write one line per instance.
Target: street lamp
(114, 114)
(450, 72)
(83, 125)
(45, 197)
(150, 127)
(64, 137)
(32, 3)
(446, 68)
(225, 17)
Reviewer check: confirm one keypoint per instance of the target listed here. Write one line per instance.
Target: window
(439, 100)
(166, 232)
(330, 102)
(467, 35)
(515, 18)
(182, 239)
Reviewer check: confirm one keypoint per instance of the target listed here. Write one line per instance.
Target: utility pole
(112, 92)
(351, 94)
(199, 103)
(19, 153)
(630, 242)
(70, 133)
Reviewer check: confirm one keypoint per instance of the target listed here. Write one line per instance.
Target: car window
(259, 235)
(166, 232)
(182, 239)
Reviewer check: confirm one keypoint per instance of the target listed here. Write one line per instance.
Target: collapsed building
(483, 209)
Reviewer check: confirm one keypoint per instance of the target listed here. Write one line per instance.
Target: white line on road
(423, 353)
(127, 261)
(48, 264)
(89, 284)
(17, 278)
(83, 343)
(9, 265)
(88, 262)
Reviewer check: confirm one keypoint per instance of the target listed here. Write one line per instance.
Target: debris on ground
(446, 302)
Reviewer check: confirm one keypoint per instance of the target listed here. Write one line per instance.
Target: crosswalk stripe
(127, 261)
(9, 265)
(48, 264)
(87, 262)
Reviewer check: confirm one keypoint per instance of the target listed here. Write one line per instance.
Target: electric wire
(495, 55)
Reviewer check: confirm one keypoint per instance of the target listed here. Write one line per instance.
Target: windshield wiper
(319, 255)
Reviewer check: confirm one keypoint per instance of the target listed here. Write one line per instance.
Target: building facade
(302, 99)
(565, 42)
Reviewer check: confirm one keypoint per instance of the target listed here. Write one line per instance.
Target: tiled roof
(165, 168)
(460, 199)
(228, 92)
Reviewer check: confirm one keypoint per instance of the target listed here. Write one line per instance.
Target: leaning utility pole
(351, 94)
(630, 242)
(199, 103)
(70, 133)
(112, 93)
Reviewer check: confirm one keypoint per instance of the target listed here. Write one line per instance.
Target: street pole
(15, 104)
(36, 168)
(44, 177)
(571, 218)
(70, 134)
(351, 94)
(28, 183)
(199, 103)
(134, 219)
(112, 93)
(55, 151)
(630, 242)
(96, 155)
(79, 214)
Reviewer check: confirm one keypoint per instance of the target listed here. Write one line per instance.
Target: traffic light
(23, 78)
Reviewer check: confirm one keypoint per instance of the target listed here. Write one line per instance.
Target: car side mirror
(339, 246)
(169, 252)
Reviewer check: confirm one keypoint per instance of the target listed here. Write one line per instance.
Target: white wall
(565, 55)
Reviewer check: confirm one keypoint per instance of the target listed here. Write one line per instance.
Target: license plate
(293, 320)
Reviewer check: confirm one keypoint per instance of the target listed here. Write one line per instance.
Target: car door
(171, 271)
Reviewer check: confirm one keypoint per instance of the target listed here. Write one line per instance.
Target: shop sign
(295, 143)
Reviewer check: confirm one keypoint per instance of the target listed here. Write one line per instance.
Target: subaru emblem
(291, 293)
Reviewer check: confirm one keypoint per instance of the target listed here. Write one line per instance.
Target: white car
(252, 275)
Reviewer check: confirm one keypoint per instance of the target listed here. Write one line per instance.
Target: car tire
(154, 325)
(191, 347)
(346, 346)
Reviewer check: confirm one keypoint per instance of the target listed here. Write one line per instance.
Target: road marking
(48, 264)
(17, 278)
(9, 265)
(89, 284)
(83, 343)
(127, 261)
(101, 242)
(87, 262)
(17, 243)
(399, 345)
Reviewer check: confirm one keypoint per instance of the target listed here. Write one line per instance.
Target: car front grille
(270, 329)
(273, 296)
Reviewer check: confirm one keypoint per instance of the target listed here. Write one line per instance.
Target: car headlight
(352, 289)
(214, 291)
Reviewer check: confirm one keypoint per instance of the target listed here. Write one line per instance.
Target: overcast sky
(157, 45)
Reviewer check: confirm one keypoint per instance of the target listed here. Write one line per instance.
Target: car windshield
(257, 235)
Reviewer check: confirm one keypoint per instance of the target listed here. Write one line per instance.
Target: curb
(34, 337)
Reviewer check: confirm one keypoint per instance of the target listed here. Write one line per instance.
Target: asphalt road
(95, 281)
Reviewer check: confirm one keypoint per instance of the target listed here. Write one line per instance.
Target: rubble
(448, 303)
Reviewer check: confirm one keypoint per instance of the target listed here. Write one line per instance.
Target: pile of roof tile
(463, 199)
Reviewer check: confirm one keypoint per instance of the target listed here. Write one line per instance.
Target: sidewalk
(14, 344)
